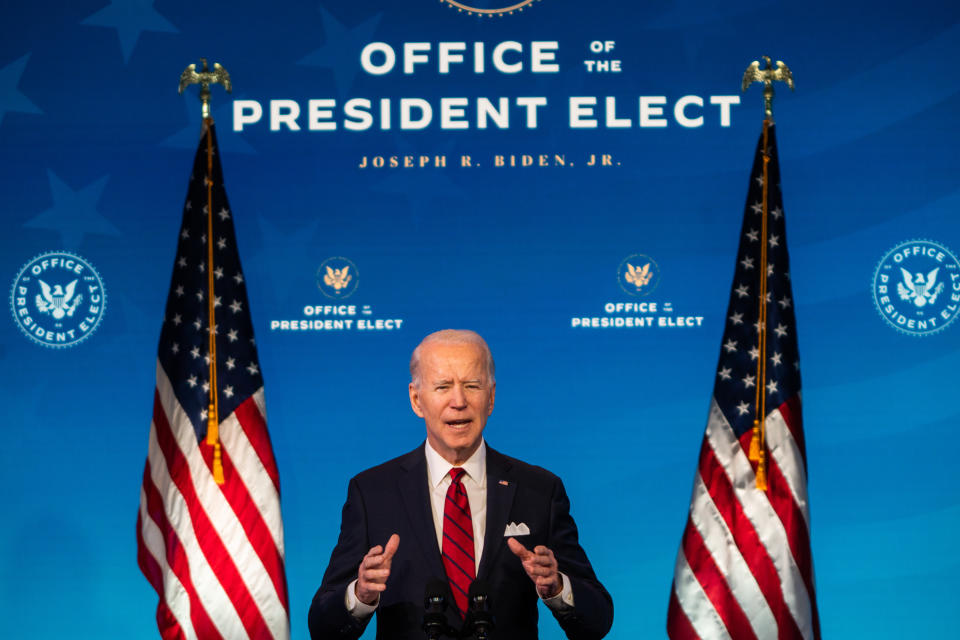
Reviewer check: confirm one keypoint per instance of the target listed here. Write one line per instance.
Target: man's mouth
(458, 424)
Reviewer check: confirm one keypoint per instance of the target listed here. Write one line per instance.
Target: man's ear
(493, 396)
(415, 399)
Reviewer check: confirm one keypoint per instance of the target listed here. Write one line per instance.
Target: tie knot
(456, 473)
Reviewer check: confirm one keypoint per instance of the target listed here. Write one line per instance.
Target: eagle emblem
(337, 278)
(922, 290)
(640, 277)
(57, 301)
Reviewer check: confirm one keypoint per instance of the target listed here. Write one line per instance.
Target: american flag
(744, 569)
(213, 552)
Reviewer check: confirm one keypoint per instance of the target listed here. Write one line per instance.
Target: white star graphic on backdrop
(175, 348)
(10, 97)
(205, 386)
(784, 302)
(757, 207)
(177, 319)
(206, 359)
(74, 213)
(224, 213)
(179, 290)
(252, 368)
(749, 381)
(232, 334)
(742, 291)
(747, 262)
(724, 373)
(753, 235)
(185, 234)
(181, 261)
(231, 364)
(341, 44)
(228, 391)
(781, 330)
(775, 358)
(776, 213)
(218, 272)
(770, 269)
(216, 301)
(195, 352)
(772, 386)
(200, 295)
(743, 408)
(759, 180)
(221, 243)
(130, 18)
(235, 306)
(197, 324)
(730, 346)
(238, 278)
(774, 241)
(203, 415)
(754, 353)
(736, 318)
(192, 381)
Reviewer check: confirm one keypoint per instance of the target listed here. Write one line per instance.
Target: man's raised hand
(541, 566)
(374, 571)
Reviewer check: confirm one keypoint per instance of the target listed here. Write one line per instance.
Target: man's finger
(518, 549)
(392, 544)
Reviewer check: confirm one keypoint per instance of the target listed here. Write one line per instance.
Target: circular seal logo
(337, 278)
(638, 275)
(916, 287)
(58, 299)
(489, 8)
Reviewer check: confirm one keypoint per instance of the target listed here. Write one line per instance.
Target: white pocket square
(514, 529)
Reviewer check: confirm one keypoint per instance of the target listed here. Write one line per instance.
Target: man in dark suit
(462, 511)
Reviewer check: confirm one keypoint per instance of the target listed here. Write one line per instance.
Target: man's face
(455, 398)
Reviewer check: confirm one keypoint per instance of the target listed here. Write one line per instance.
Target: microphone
(479, 620)
(435, 606)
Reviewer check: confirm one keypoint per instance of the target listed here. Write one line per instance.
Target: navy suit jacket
(393, 498)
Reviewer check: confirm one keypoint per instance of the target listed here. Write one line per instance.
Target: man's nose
(458, 399)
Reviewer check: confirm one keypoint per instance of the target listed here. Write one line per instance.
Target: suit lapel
(501, 488)
(416, 501)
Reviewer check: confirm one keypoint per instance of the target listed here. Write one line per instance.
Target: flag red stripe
(148, 565)
(208, 537)
(254, 426)
(678, 625)
(781, 499)
(247, 512)
(176, 558)
(751, 547)
(714, 584)
(167, 624)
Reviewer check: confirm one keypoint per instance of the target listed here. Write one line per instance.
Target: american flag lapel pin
(505, 483)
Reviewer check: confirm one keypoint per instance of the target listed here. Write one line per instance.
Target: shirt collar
(475, 466)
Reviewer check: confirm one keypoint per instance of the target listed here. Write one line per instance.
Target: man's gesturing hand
(541, 566)
(374, 571)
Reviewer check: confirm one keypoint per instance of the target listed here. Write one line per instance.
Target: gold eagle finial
(205, 78)
(767, 76)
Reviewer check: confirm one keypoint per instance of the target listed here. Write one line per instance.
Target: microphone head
(478, 588)
(435, 595)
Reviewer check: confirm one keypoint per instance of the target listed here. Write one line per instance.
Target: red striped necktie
(457, 545)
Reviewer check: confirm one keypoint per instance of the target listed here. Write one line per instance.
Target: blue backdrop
(96, 148)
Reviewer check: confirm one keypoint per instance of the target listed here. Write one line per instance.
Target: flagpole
(205, 78)
(767, 76)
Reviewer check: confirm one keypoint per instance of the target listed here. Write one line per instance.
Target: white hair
(452, 336)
